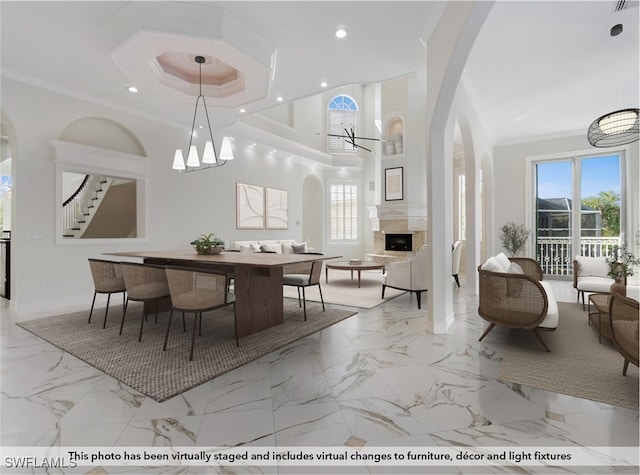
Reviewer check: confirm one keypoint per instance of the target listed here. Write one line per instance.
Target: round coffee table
(345, 265)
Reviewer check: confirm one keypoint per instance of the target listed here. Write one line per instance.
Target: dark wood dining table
(257, 280)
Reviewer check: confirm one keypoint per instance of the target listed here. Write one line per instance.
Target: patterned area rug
(164, 374)
(577, 365)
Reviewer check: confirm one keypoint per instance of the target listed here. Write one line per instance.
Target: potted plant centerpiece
(621, 263)
(208, 244)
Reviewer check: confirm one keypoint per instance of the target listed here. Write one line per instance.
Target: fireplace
(398, 242)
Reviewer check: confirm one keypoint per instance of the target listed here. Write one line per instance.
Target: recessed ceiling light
(132, 89)
(323, 84)
(242, 111)
(341, 33)
(279, 99)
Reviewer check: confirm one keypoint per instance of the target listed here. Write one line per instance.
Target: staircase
(79, 209)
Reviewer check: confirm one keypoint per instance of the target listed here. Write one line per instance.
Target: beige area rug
(577, 365)
(164, 374)
(341, 290)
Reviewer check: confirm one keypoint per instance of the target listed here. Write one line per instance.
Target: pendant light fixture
(202, 133)
(615, 128)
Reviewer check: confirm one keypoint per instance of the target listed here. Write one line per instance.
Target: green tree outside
(608, 203)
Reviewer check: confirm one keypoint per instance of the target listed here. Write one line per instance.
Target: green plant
(621, 262)
(514, 237)
(206, 243)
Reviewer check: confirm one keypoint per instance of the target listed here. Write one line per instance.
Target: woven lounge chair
(623, 313)
(516, 297)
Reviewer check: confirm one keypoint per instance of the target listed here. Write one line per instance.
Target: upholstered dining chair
(623, 314)
(107, 279)
(301, 280)
(196, 291)
(145, 283)
(456, 253)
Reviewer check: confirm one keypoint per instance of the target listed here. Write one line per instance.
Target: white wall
(509, 190)
(181, 206)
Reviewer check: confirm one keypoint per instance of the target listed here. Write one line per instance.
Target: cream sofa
(279, 246)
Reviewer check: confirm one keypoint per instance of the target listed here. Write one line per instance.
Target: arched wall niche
(103, 133)
(393, 134)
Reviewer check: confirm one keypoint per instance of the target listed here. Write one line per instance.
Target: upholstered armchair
(410, 275)
(623, 314)
(590, 275)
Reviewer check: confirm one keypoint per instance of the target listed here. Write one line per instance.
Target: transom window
(342, 114)
(343, 217)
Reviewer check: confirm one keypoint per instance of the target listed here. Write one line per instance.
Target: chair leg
(92, 303)
(124, 314)
(457, 281)
(418, 294)
(193, 335)
(141, 327)
(487, 331)
(539, 337)
(383, 288)
(235, 325)
(166, 335)
(106, 311)
(184, 323)
(200, 325)
(625, 367)
(321, 297)
(304, 304)
(299, 301)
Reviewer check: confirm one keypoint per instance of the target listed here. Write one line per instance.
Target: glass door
(591, 228)
(600, 205)
(554, 220)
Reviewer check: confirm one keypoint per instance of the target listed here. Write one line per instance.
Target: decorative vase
(618, 287)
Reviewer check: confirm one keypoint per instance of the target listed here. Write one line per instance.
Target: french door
(577, 209)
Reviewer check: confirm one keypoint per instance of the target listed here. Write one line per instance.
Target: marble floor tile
(377, 379)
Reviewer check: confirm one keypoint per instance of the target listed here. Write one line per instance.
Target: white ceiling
(537, 68)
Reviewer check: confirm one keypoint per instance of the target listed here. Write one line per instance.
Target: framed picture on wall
(393, 183)
(249, 206)
(277, 210)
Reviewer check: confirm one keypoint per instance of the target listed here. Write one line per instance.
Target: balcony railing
(556, 257)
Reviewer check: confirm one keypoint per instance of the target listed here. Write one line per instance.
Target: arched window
(342, 114)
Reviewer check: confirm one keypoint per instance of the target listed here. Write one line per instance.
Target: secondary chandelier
(615, 128)
(201, 133)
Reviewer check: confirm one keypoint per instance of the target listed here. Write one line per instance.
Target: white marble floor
(375, 379)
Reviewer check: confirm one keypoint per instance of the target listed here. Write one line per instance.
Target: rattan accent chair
(107, 279)
(623, 313)
(145, 283)
(196, 291)
(517, 298)
(306, 275)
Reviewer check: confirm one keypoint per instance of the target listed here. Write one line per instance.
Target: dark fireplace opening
(398, 242)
